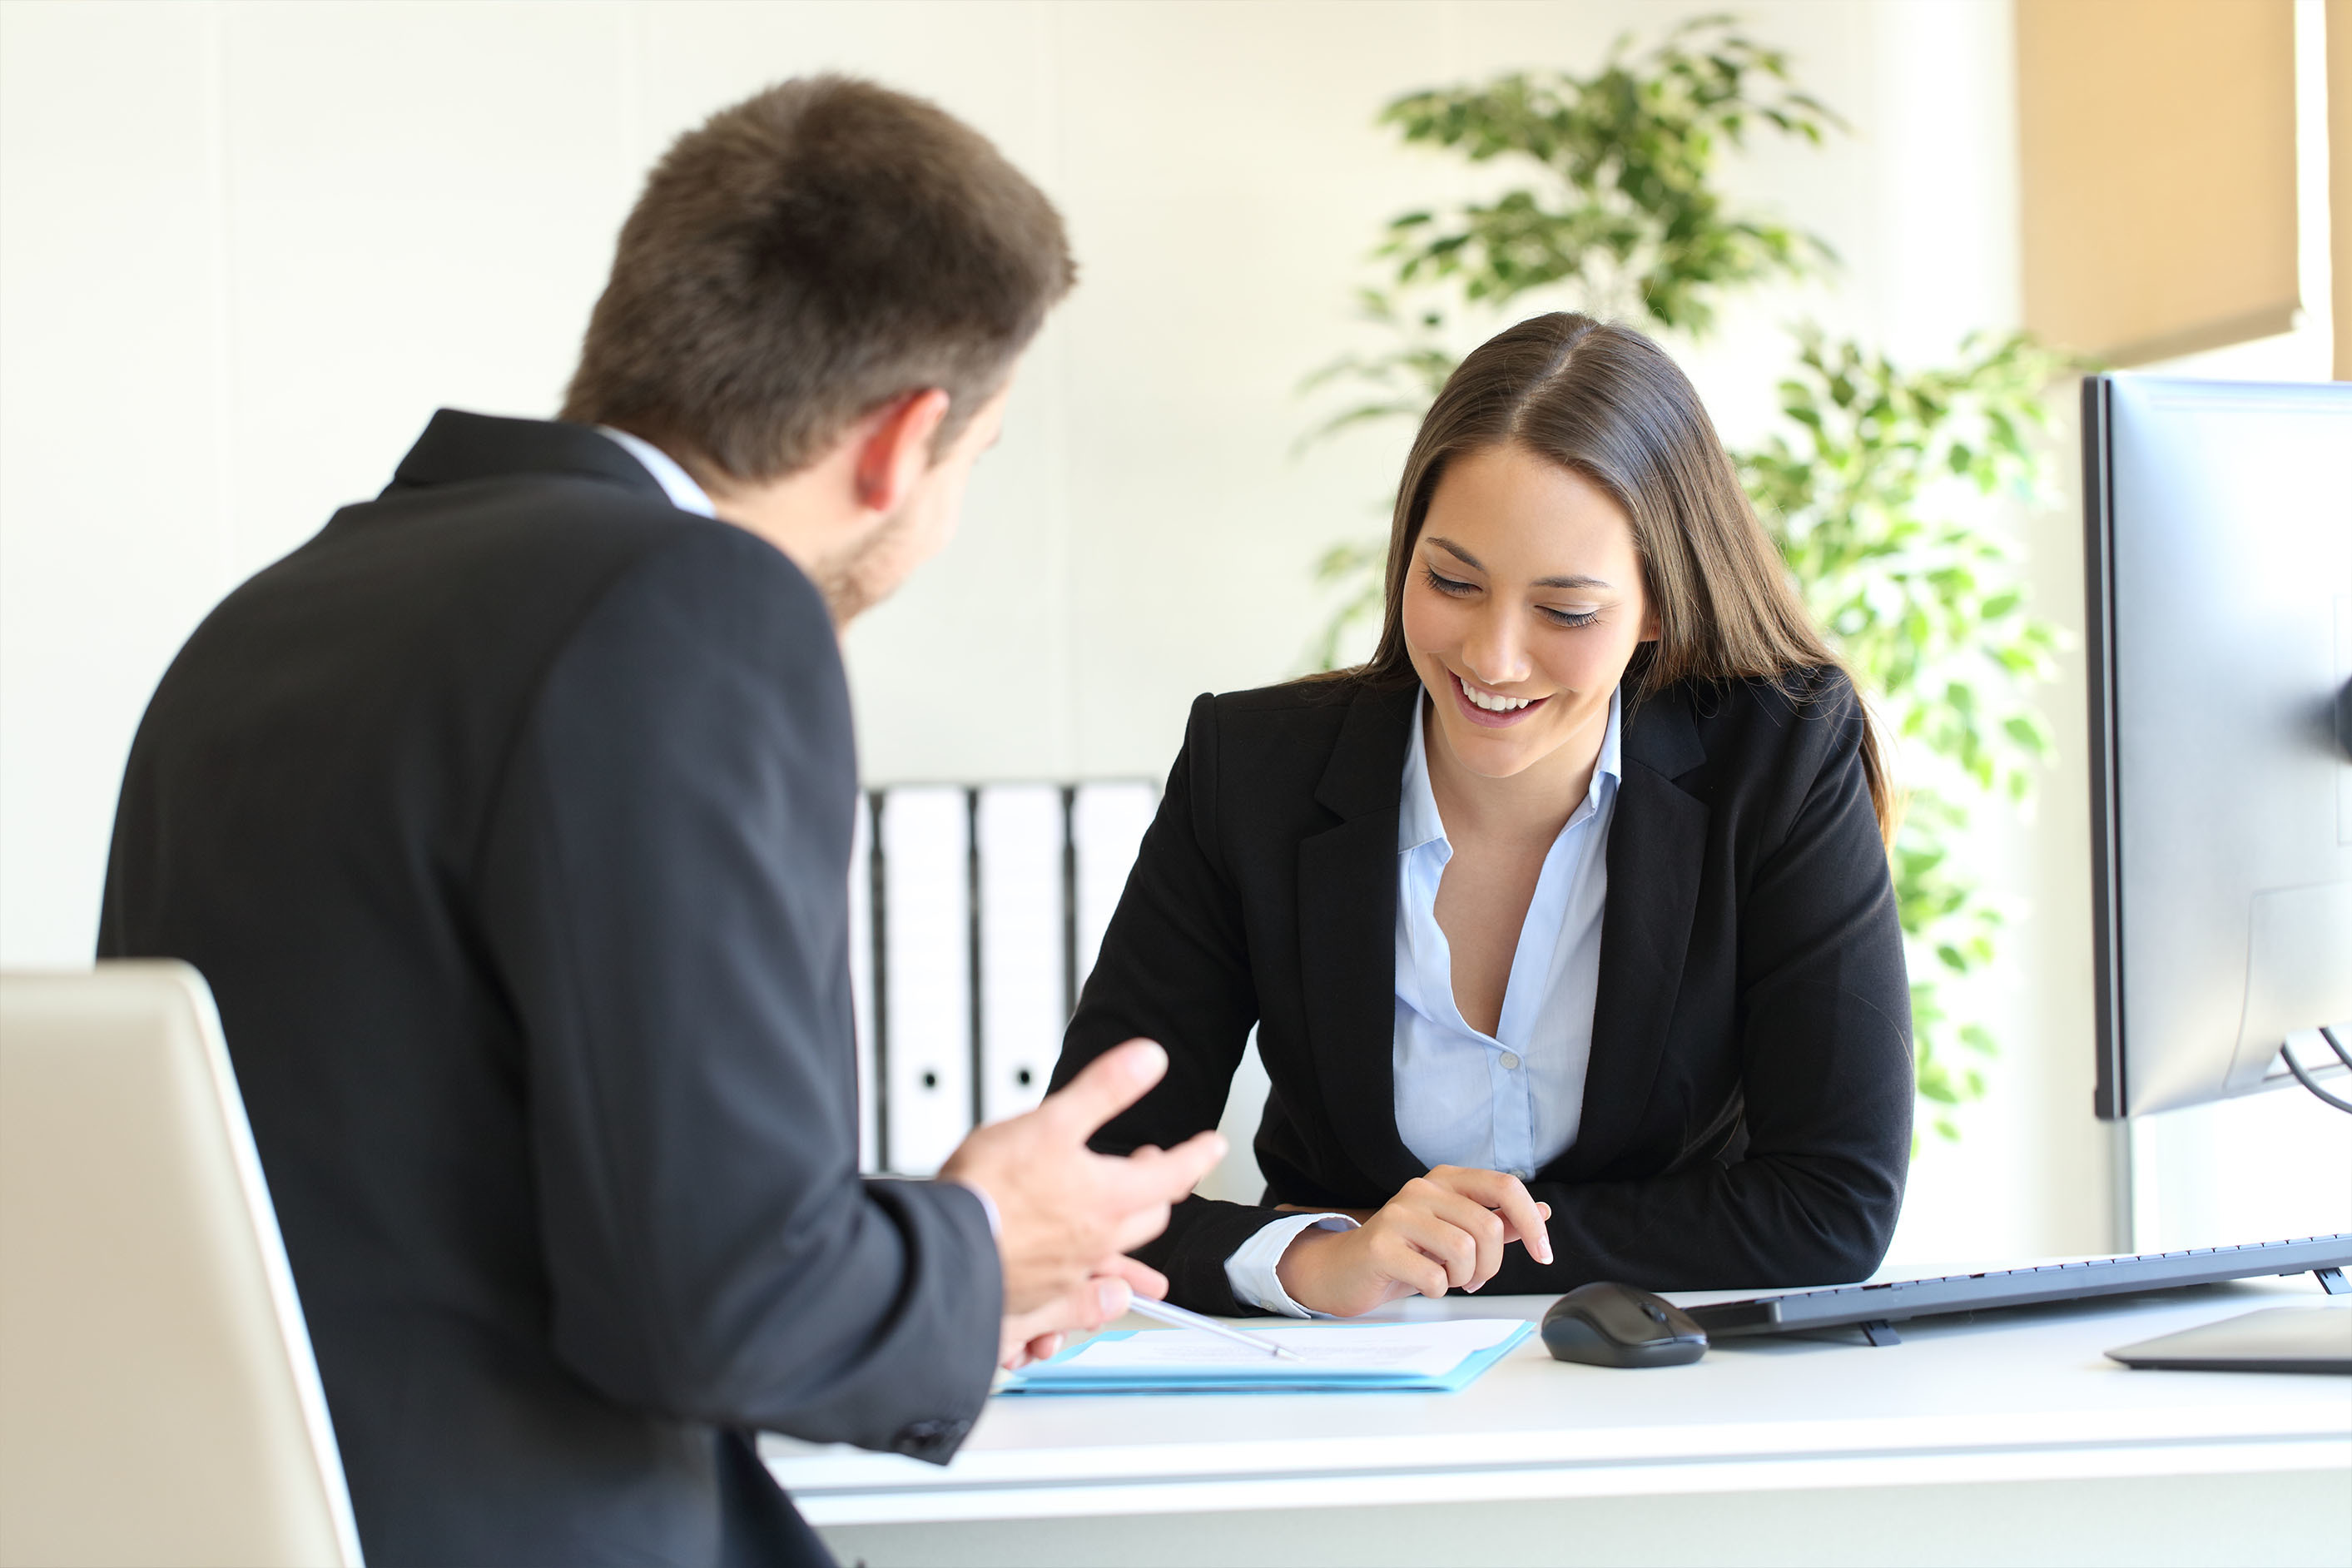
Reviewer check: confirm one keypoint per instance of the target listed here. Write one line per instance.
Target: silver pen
(1181, 1319)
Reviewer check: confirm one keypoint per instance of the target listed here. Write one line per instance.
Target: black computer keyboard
(1872, 1307)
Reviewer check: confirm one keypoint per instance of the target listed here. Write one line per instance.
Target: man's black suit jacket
(1747, 1114)
(510, 820)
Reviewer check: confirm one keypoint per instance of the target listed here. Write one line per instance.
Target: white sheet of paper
(1426, 1350)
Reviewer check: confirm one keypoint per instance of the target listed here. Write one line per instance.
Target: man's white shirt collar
(675, 482)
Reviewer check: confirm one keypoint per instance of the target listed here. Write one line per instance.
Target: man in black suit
(510, 820)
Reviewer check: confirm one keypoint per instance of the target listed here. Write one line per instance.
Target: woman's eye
(1570, 617)
(1448, 585)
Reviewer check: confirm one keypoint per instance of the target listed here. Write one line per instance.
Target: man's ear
(897, 450)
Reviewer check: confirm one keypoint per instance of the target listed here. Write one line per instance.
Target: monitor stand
(2276, 1338)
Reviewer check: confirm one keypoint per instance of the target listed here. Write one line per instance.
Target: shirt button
(1510, 1061)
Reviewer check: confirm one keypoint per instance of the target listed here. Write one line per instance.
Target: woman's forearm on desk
(1828, 1100)
(1761, 1223)
(1203, 1234)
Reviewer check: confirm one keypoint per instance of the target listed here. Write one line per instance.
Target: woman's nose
(1495, 653)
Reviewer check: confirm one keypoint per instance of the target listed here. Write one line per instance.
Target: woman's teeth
(1491, 704)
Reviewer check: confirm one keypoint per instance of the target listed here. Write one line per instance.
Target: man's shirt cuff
(995, 1220)
(1251, 1269)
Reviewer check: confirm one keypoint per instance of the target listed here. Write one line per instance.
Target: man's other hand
(1033, 1336)
(1065, 1212)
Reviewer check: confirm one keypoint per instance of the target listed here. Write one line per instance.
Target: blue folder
(1067, 1373)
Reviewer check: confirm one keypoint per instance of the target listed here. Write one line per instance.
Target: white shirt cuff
(995, 1220)
(1251, 1269)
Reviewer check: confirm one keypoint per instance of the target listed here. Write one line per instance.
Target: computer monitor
(2218, 534)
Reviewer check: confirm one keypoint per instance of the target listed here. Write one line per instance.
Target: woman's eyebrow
(1478, 565)
(1459, 552)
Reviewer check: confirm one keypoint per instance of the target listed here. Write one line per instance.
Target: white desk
(2005, 1439)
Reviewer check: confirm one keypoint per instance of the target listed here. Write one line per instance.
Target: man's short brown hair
(803, 258)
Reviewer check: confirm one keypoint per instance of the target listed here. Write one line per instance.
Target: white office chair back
(158, 1400)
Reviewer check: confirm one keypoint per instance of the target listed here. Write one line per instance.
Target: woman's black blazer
(1747, 1109)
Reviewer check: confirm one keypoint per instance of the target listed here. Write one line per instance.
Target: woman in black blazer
(1632, 745)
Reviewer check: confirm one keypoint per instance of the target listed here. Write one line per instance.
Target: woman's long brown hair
(1607, 402)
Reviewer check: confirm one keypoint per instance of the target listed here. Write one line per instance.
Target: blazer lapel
(1347, 934)
(1657, 846)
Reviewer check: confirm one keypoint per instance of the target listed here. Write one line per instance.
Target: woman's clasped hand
(1443, 1231)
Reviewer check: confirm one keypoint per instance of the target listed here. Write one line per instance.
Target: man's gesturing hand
(1065, 1211)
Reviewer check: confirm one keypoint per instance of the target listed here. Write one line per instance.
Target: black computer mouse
(1608, 1324)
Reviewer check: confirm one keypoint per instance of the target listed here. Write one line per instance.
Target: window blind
(2156, 156)
(2339, 178)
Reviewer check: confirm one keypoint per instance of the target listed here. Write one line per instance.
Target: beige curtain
(2339, 178)
(2157, 155)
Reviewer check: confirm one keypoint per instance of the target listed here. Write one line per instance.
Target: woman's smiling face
(1523, 604)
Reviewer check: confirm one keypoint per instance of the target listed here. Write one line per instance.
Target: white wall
(246, 249)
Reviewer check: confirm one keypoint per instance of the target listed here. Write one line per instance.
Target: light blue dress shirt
(1510, 1100)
